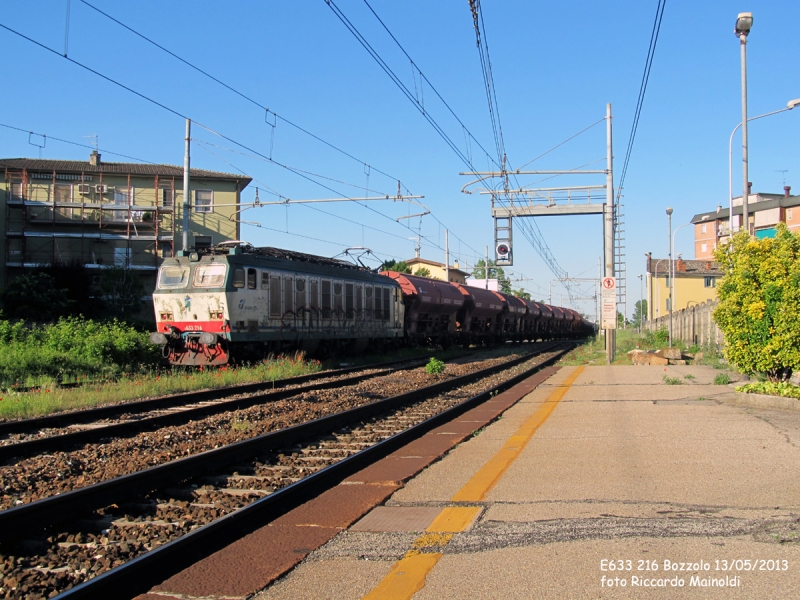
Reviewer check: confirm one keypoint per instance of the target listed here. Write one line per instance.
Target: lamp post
(669, 220)
(744, 22)
(672, 280)
(789, 106)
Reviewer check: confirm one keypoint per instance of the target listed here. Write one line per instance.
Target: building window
(710, 282)
(788, 214)
(203, 201)
(165, 197)
(703, 247)
(62, 192)
(122, 257)
(703, 228)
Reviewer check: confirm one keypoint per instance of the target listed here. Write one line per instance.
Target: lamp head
(792, 103)
(669, 212)
(744, 22)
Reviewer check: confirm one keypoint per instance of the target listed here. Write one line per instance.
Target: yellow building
(437, 270)
(101, 214)
(695, 282)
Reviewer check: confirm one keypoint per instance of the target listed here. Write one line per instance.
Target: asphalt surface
(687, 490)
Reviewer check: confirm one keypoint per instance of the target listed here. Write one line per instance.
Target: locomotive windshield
(173, 277)
(210, 276)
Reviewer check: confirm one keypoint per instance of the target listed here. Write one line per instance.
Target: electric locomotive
(238, 302)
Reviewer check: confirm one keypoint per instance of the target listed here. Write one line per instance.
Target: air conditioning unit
(84, 189)
(101, 189)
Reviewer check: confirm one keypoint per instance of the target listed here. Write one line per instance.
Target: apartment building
(103, 213)
(765, 211)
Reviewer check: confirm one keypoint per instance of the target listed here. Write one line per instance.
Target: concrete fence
(692, 325)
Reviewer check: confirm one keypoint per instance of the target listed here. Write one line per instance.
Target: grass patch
(689, 376)
(672, 380)
(722, 379)
(49, 398)
(72, 350)
(434, 366)
(786, 390)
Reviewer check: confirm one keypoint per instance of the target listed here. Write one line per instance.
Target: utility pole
(447, 255)
(608, 237)
(487, 267)
(187, 194)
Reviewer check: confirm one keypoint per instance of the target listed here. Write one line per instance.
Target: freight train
(237, 302)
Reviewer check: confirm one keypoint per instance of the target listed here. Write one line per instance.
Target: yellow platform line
(485, 479)
(408, 574)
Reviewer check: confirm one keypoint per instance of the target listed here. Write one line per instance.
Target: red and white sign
(608, 313)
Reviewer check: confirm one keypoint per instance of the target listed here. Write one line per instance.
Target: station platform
(580, 482)
(603, 482)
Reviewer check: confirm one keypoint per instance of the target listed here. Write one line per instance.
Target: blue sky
(555, 65)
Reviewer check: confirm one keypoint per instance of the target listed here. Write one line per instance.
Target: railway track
(172, 512)
(28, 437)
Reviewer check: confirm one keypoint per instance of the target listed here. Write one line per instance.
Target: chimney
(94, 158)
(680, 266)
(787, 191)
(455, 265)
(749, 187)
(708, 266)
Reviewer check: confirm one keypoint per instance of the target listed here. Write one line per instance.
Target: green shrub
(759, 295)
(722, 379)
(787, 390)
(71, 348)
(672, 380)
(435, 366)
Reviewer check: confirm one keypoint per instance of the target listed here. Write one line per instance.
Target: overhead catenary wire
(530, 233)
(177, 113)
(651, 50)
(235, 91)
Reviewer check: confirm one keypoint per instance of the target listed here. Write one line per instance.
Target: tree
(495, 272)
(520, 293)
(121, 291)
(758, 300)
(35, 297)
(395, 265)
(423, 272)
(620, 320)
(639, 313)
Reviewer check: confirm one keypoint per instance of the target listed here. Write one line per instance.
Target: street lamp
(669, 220)
(744, 23)
(672, 280)
(789, 106)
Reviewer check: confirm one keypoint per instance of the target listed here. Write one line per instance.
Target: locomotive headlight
(209, 339)
(158, 338)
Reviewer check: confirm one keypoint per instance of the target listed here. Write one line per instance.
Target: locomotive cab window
(238, 278)
(251, 279)
(264, 280)
(173, 277)
(210, 275)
